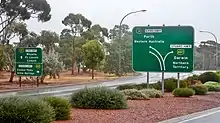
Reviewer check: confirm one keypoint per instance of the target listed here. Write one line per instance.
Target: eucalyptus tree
(75, 24)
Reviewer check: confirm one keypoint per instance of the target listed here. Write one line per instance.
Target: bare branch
(11, 37)
(2, 22)
(9, 23)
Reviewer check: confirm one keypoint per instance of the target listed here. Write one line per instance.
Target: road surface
(214, 118)
(207, 116)
(67, 90)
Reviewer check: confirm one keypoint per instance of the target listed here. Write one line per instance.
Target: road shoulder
(194, 116)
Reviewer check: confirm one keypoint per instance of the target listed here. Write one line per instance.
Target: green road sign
(28, 55)
(28, 62)
(23, 69)
(163, 48)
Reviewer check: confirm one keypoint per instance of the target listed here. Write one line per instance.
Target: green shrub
(98, 98)
(183, 84)
(218, 74)
(194, 79)
(183, 92)
(134, 94)
(127, 86)
(171, 84)
(25, 110)
(152, 93)
(61, 107)
(208, 76)
(211, 83)
(141, 86)
(199, 89)
(213, 86)
(157, 85)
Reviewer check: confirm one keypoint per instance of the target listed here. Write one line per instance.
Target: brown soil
(149, 111)
(65, 78)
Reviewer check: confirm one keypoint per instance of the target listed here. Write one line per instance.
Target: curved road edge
(74, 84)
(206, 116)
(63, 91)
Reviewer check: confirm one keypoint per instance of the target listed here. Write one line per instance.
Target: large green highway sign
(28, 62)
(163, 48)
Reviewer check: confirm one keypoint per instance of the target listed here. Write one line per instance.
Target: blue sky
(201, 14)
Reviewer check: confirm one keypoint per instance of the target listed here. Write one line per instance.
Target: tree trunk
(58, 75)
(50, 75)
(78, 69)
(92, 73)
(72, 68)
(42, 79)
(12, 76)
(54, 76)
(84, 69)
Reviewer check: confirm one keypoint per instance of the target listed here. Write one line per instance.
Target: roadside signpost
(163, 49)
(28, 62)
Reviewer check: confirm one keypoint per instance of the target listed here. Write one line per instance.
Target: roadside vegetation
(80, 49)
(49, 109)
(87, 48)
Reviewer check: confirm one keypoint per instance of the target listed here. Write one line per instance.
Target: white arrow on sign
(21, 57)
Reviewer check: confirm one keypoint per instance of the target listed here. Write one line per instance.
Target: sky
(201, 14)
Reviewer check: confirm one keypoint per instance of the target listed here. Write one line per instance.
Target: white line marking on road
(198, 117)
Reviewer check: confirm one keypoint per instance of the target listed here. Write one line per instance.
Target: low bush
(183, 92)
(134, 94)
(211, 83)
(152, 93)
(25, 110)
(61, 107)
(171, 84)
(157, 85)
(98, 98)
(208, 76)
(192, 80)
(126, 86)
(139, 86)
(213, 86)
(218, 74)
(199, 89)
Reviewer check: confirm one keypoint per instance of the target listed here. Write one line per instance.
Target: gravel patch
(147, 111)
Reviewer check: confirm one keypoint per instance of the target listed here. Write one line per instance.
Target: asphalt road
(214, 118)
(67, 90)
(207, 116)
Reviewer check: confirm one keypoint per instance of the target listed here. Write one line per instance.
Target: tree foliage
(23, 10)
(2, 59)
(51, 64)
(48, 40)
(93, 54)
(112, 59)
(205, 57)
(76, 24)
(30, 40)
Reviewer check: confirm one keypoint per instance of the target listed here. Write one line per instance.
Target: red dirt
(65, 78)
(149, 111)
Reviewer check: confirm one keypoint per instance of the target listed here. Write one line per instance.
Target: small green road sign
(28, 61)
(23, 69)
(163, 48)
(29, 55)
